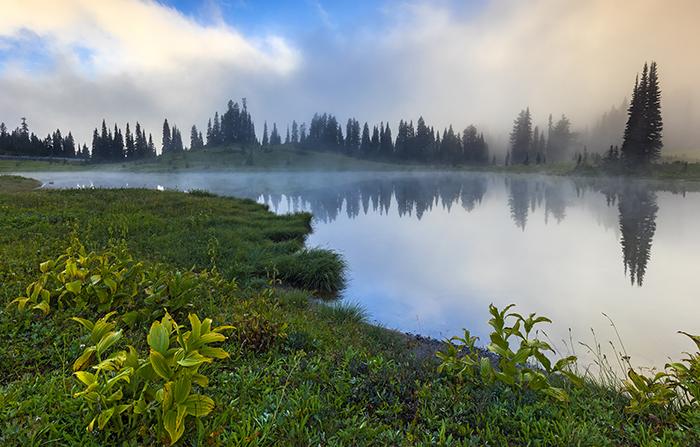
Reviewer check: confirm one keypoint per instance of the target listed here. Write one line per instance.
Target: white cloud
(129, 59)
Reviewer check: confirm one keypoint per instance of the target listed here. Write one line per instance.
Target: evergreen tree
(366, 143)
(387, 146)
(151, 151)
(167, 137)
(295, 133)
(194, 138)
(129, 144)
(521, 137)
(69, 146)
(654, 122)
(265, 138)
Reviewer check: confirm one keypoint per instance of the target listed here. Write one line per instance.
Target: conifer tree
(167, 137)
(265, 138)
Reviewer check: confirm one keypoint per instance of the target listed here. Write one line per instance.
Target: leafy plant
(515, 368)
(113, 280)
(461, 358)
(162, 384)
(648, 394)
(685, 375)
(79, 279)
(518, 369)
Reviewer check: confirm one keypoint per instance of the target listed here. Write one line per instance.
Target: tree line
(115, 146)
(21, 141)
(642, 139)
(418, 143)
(532, 146)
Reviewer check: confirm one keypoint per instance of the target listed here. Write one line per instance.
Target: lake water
(427, 252)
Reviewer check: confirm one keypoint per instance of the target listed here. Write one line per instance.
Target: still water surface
(427, 252)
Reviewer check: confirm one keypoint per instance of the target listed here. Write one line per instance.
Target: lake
(427, 252)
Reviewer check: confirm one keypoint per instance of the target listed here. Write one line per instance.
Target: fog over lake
(427, 252)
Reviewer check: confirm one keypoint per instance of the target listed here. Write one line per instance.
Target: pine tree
(265, 138)
(167, 137)
(654, 127)
(194, 138)
(366, 143)
(642, 141)
(130, 148)
(295, 133)
(151, 150)
(521, 137)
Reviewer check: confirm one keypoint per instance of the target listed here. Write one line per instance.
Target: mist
(457, 63)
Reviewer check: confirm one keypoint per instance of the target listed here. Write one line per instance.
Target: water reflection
(638, 210)
(414, 196)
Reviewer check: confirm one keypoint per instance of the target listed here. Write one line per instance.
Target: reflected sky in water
(427, 252)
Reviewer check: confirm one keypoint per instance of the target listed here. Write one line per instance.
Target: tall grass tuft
(342, 312)
(314, 269)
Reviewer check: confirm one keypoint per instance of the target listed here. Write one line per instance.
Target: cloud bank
(453, 62)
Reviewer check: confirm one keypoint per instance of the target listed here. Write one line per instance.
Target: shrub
(516, 369)
(125, 386)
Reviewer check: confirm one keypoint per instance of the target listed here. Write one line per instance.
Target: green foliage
(461, 358)
(515, 367)
(527, 368)
(122, 389)
(112, 279)
(257, 331)
(685, 375)
(678, 385)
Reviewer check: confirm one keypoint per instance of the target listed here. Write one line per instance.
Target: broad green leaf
(45, 266)
(200, 379)
(181, 389)
(111, 284)
(107, 341)
(84, 358)
(159, 338)
(199, 405)
(104, 417)
(21, 302)
(196, 327)
(211, 337)
(74, 287)
(557, 393)
(43, 306)
(86, 377)
(171, 426)
(124, 375)
(216, 353)
(160, 365)
(193, 359)
(87, 324)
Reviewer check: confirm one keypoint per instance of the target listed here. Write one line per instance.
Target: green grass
(300, 373)
(15, 183)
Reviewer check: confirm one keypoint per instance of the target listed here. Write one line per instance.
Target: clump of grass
(292, 298)
(313, 269)
(342, 312)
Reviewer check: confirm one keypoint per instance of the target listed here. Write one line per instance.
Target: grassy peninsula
(299, 371)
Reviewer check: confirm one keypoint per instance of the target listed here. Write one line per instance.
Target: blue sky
(285, 16)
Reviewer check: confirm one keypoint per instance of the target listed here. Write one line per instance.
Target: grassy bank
(298, 372)
(285, 158)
